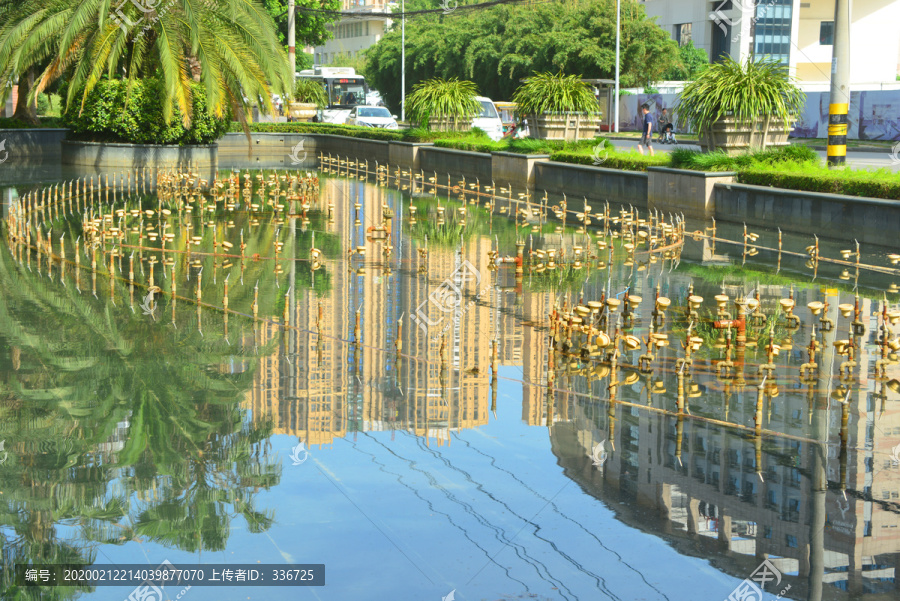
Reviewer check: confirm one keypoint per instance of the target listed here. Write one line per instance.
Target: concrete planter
(727, 135)
(447, 124)
(571, 127)
(302, 111)
(406, 154)
(112, 156)
(684, 191)
(597, 184)
(455, 163)
(516, 170)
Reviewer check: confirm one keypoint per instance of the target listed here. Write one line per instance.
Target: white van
(488, 119)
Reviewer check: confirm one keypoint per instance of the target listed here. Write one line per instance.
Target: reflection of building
(720, 492)
(712, 490)
(326, 380)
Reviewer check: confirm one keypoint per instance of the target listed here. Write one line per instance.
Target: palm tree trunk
(24, 111)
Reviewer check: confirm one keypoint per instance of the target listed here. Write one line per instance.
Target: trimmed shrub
(627, 161)
(112, 114)
(50, 122)
(873, 184)
(300, 127)
(720, 161)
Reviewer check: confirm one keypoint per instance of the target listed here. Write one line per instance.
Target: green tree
(229, 46)
(693, 61)
(310, 25)
(498, 47)
(358, 62)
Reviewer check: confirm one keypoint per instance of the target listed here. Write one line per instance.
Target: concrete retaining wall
(456, 163)
(514, 169)
(682, 191)
(595, 183)
(114, 157)
(869, 220)
(32, 144)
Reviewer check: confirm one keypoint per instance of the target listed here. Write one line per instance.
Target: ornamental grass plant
(445, 100)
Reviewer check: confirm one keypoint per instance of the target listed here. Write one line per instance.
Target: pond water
(480, 451)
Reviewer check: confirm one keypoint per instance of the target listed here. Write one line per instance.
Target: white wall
(874, 41)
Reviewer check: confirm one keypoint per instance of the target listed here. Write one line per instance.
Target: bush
(111, 114)
(815, 178)
(43, 104)
(10, 123)
(720, 161)
(628, 161)
(354, 131)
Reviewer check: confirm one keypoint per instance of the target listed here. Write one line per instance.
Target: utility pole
(292, 39)
(618, 19)
(402, 61)
(839, 103)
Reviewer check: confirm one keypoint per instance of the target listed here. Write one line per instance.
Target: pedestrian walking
(647, 132)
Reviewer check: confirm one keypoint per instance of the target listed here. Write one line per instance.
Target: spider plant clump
(546, 93)
(437, 103)
(310, 91)
(747, 93)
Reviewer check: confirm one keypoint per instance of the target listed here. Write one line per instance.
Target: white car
(372, 116)
(337, 116)
(488, 119)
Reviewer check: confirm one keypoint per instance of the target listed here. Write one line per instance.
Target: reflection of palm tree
(107, 406)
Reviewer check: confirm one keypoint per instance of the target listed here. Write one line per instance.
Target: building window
(683, 33)
(772, 31)
(791, 540)
(826, 33)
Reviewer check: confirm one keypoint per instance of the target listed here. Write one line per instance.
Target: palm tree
(229, 46)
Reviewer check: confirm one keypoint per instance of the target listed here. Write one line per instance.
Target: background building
(799, 34)
(354, 34)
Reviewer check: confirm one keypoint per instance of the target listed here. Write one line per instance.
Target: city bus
(343, 86)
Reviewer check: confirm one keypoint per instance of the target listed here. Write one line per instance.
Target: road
(857, 160)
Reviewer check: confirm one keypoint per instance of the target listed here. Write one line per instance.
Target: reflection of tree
(120, 427)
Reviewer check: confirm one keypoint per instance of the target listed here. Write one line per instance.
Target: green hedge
(50, 122)
(302, 127)
(627, 161)
(873, 184)
(107, 117)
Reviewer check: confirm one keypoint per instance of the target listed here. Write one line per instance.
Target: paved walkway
(856, 159)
